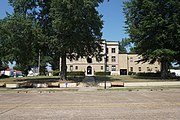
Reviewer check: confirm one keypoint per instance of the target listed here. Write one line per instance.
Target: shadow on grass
(156, 78)
(47, 79)
(105, 78)
(38, 80)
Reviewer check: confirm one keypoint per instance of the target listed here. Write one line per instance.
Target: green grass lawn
(132, 79)
(43, 79)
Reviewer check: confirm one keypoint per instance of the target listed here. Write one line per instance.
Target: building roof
(8, 69)
(17, 71)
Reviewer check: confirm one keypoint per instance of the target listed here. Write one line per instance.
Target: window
(113, 67)
(76, 67)
(148, 69)
(113, 59)
(139, 68)
(99, 59)
(101, 67)
(77, 59)
(156, 69)
(107, 68)
(131, 59)
(107, 50)
(113, 50)
(107, 59)
(139, 58)
(89, 60)
(71, 68)
(131, 69)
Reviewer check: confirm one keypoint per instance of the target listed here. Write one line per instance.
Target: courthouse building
(113, 61)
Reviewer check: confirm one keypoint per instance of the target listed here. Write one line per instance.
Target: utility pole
(39, 62)
(105, 63)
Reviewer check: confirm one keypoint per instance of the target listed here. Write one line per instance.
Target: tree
(154, 27)
(77, 26)
(123, 43)
(28, 37)
(22, 40)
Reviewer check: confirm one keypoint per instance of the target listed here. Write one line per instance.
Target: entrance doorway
(123, 71)
(89, 70)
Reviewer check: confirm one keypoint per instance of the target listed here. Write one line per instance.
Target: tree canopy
(50, 29)
(77, 29)
(154, 27)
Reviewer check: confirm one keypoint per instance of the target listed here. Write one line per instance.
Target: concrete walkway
(146, 84)
(87, 89)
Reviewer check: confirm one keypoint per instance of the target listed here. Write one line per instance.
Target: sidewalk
(146, 84)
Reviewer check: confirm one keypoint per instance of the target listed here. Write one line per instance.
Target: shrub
(149, 74)
(102, 73)
(131, 73)
(75, 73)
(56, 73)
(4, 76)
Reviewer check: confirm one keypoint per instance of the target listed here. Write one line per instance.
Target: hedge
(4, 76)
(76, 73)
(56, 73)
(102, 73)
(149, 74)
(131, 73)
(73, 73)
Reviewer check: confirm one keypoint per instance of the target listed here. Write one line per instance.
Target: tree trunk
(63, 67)
(164, 69)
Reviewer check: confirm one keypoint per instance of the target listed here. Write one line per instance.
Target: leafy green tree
(154, 27)
(122, 45)
(23, 39)
(5, 54)
(34, 13)
(77, 27)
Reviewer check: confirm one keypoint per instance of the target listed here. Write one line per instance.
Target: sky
(113, 17)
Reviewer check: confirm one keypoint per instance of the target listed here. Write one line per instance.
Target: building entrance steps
(89, 81)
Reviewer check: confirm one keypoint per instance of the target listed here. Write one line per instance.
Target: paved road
(96, 105)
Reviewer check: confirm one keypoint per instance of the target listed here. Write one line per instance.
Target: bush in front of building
(148, 74)
(76, 73)
(73, 73)
(131, 73)
(102, 73)
(56, 73)
(3, 76)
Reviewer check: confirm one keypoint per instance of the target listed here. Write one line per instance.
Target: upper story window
(139, 68)
(113, 50)
(77, 59)
(131, 59)
(98, 59)
(131, 69)
(156, 69)
(107, 50)
(113, 59)
(89, 60)
(107, 59)
(139, 58)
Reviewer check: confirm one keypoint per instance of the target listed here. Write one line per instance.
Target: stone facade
(117, 64)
